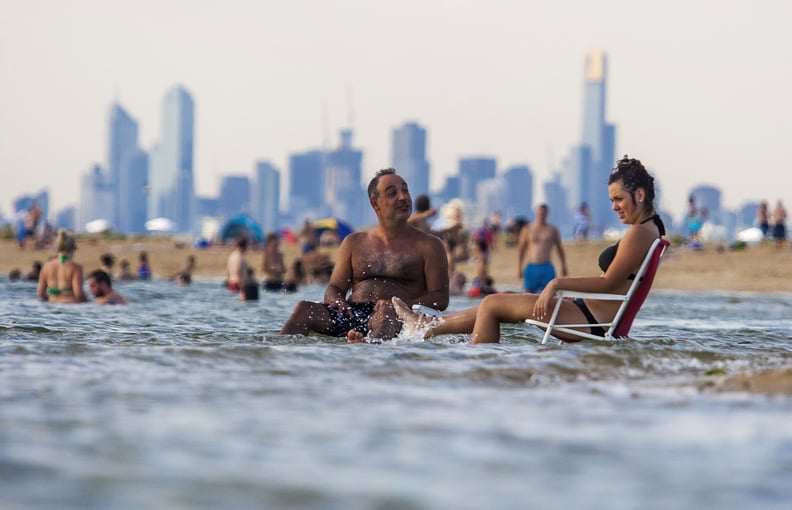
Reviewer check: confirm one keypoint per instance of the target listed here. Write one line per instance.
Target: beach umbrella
(341, 227)
(160, 225)
(97, 226)
(241, 225)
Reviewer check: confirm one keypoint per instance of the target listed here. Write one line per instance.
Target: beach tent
(160, 225)
(97, 226)
(241, 225)
(751, 235)
(343, 228)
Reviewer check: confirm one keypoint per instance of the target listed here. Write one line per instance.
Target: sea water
(189, 398)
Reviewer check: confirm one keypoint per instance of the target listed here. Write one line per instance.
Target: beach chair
(631, 300)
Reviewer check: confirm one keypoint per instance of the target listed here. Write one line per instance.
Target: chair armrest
(591, 295)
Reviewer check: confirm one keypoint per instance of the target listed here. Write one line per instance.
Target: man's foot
(412, 321)
(355, 337)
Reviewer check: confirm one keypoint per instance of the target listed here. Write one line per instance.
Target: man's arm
(436, 275)
(522, 247)
(341, 279)
(560, 250)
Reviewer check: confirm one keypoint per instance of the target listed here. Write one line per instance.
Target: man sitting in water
(102, 289)
(392, 259)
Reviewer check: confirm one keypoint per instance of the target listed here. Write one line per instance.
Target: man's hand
(339, 305)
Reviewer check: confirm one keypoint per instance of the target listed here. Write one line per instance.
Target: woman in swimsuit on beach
(61, 279)
(631, 191)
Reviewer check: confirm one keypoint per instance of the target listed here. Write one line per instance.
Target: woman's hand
(542, 305)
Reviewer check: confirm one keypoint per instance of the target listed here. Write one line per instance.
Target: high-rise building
(519, 192)
(306, 185)
(265, 196)
(600, 138)
(96, 197)
(556, 199)
(409, 157)
(234, 196)
(171, 181)
(471, 172)
(133, 192)
(344, 192)
(122, 141)
(66, 218)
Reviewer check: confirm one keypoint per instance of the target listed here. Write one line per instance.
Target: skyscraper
(96, 197)
(306, 185)
(471, 172)
(132, 195)
(600, 138)
(122, 141)
(343, 188)
(409, 157)
(234, 196)
(265, 196)
(519, 192)
(171, 181)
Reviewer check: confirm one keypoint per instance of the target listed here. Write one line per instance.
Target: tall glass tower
(600, 139)
(409, 157)
(265, 196)
(122, 143)
(172, 186)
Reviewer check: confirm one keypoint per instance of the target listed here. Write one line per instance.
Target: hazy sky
(701, 91)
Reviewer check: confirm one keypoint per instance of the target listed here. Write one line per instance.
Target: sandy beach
(763, 269)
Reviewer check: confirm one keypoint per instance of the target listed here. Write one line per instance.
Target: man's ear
(373, 202)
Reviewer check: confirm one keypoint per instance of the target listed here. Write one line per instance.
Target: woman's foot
(413, 321)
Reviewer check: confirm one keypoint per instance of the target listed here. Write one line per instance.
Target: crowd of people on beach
(406, 266)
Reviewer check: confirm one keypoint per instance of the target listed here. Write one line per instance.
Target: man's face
(394, 197)
(97, 289)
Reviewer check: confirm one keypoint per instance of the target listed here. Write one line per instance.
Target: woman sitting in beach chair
(632, 193)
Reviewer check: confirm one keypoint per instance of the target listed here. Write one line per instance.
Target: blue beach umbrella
(241, 226)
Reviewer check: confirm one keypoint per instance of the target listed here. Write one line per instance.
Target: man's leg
(384, 324)
(308, 316)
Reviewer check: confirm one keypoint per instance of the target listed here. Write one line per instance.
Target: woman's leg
(454, 323)
(497, 308)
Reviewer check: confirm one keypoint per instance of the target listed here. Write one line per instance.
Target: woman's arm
(77, 285)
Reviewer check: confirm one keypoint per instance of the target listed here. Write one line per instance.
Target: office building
(600, 139)
(121, 143)
(171, 181)
(472, 171)
(344, 193)
(234, 196)
(408, 157)
(96, 197)
(306, 185)
(133, 192)
(519, 192)
(265, 196)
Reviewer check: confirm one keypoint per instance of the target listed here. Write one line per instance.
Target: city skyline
(699, 98)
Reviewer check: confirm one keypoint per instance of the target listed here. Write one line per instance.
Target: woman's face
(623, 203)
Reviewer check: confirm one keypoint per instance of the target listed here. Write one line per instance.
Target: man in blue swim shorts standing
(537, 241)
(393, 259)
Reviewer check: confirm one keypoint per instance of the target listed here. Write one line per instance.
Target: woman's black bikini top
(609, 253)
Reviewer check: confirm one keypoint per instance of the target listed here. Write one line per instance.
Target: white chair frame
(642, 278)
